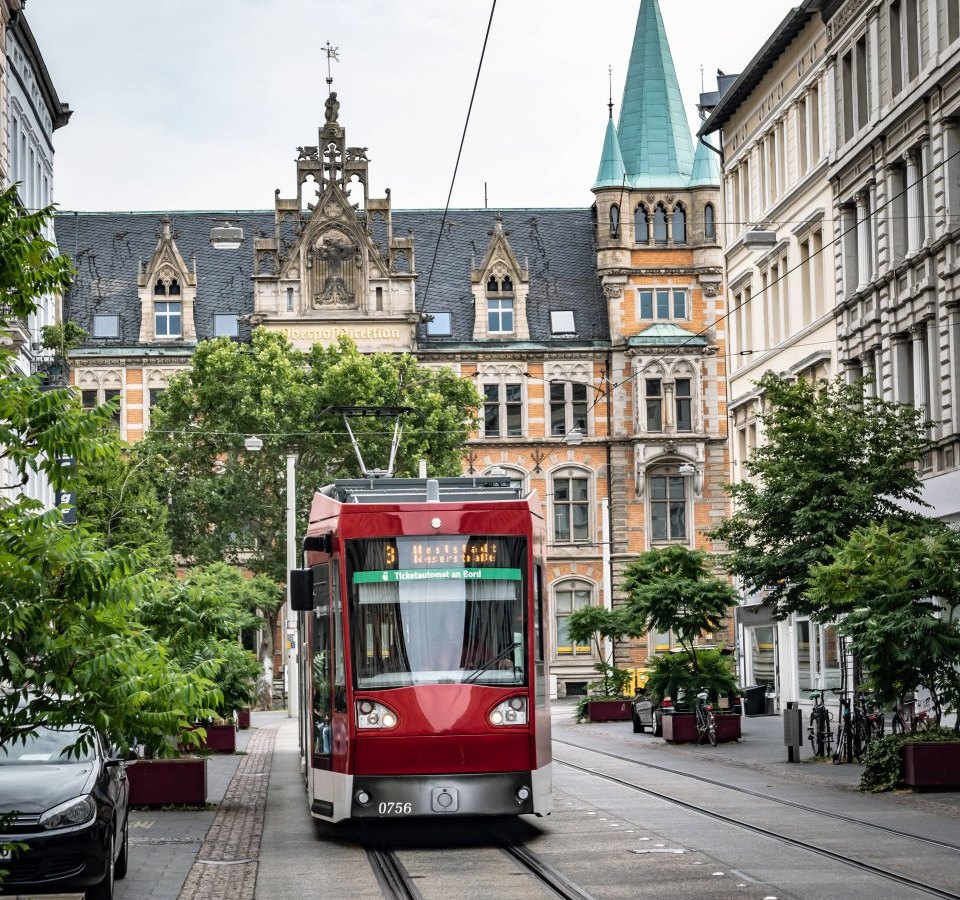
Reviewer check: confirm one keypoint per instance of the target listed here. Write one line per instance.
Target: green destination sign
(389, 575)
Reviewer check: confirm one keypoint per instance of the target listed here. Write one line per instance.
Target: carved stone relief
(335, 265)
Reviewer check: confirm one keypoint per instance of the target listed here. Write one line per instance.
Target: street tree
(118, 498)
(228, 503)
(71, 649)
(897, 589)
(832, 459)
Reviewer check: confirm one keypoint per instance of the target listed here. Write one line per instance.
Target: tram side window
(320, 667)
(339, 667)
(540, 665)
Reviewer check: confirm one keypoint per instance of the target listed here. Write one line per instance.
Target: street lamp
(291, 673)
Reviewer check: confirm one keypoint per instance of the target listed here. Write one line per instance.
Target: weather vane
(332, 53)
(610, 77)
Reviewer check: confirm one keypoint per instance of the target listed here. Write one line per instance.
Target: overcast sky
(200, 104)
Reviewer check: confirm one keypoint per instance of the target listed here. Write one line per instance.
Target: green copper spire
(655, 137)
(706, 165)
(611, 172)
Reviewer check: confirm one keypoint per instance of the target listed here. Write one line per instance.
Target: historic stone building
(591, 334)
(30, 112)
(841, 141)
(778, 232)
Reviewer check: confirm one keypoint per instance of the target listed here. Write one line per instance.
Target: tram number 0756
(390, 808)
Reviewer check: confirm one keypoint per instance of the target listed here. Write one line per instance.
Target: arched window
(660, 224)
(641, 225)
(569, 596)
(174, 288)
(679, 225)
(614, 221)
(709, 223)
(160, 289)
(506, 286)
(492, 286)
(571, 506)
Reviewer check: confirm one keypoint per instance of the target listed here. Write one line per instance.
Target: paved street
(257, 839)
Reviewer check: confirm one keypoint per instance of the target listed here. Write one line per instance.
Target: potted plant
(606, 700)
(61, 338)
(673, 591)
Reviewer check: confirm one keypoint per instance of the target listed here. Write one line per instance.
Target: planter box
(163, 782)
(609, 710)
(931, 766)
(243, 718)
(680, 728)
(220, 739)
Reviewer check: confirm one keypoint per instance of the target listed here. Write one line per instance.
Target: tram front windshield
(438, 609)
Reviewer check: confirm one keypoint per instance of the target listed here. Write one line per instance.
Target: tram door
(321, 688)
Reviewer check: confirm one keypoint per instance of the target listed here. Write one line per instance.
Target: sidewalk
(210, 853)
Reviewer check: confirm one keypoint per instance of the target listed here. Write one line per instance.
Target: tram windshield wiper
(477, 672)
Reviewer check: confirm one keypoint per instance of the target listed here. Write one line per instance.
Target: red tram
(422, 666)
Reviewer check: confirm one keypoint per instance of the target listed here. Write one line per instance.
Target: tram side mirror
(301, 590)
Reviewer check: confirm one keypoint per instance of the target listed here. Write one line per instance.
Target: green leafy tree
(686, 674)
(72, 649)
(199, 618)
(673, 589)
(898, 591)
(118, 498)
(228, 503)
(832, 460)
(596, 624)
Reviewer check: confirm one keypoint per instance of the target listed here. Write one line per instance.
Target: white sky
(200, 104)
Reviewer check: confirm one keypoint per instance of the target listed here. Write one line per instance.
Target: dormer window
(506, 286)
(174, 288)
(167, 320)
(160, 289)
(500, 316)
(493, 286)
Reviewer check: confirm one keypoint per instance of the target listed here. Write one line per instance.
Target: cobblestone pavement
(226, 866)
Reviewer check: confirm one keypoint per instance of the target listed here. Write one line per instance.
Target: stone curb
(226, 866)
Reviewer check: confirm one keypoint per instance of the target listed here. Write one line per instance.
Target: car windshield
(437, 609)
(44, 746)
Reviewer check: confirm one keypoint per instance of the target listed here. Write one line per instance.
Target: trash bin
(755, 700)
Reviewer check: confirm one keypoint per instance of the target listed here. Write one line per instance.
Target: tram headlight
(372, 716)
(512, 711)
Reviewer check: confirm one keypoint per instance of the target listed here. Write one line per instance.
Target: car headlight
(79, 811)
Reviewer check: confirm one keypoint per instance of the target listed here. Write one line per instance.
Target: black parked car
(69, 810)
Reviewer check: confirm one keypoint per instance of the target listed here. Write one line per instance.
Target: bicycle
(850, 734)
(870, 716)
(818, 731)
(706, 723)
(907, 719)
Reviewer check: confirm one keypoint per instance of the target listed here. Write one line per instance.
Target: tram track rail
(548, 876)
(841, 817)
(396, 883)
(394, 880)
(888, 875)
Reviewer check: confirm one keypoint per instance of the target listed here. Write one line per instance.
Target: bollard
(792, 730)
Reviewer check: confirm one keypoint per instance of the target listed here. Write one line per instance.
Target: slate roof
(557, 244)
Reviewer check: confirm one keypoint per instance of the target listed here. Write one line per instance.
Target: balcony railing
(55, 371)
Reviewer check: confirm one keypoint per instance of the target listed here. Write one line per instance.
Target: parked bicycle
(907, 719)
(854, 731)
(706, 723)
(819, 732)
(870, 716)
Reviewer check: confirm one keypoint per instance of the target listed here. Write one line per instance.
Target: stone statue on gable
(332, 108)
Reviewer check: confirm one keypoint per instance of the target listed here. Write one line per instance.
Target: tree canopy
(898, 590)
(72, 649)
(228, 503)
(832, 460)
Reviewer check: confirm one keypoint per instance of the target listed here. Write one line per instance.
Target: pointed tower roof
(612, 171)
(706, 165)
(655, 137)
